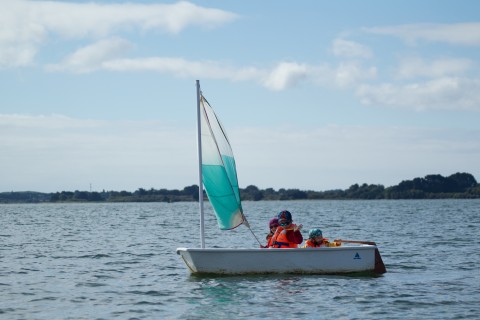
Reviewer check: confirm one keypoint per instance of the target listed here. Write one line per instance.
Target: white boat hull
(331, 260)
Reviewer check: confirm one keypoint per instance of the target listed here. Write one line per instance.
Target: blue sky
(314, 95)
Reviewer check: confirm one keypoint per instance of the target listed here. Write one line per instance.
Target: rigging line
(247, 224)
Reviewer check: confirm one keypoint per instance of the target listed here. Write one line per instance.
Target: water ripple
(104, 261)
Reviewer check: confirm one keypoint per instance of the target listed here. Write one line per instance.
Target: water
(104, 261)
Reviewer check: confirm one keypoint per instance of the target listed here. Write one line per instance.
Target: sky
(315, 95)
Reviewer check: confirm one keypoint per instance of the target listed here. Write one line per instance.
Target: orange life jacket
(279, 239)
(311, 244)
(269, 240)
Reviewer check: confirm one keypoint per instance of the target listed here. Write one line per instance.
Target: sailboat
(217, 173)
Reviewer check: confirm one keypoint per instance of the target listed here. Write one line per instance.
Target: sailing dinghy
(217, 173)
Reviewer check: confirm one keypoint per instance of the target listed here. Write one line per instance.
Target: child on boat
(316, 239)
(272, 225)
(287, 235)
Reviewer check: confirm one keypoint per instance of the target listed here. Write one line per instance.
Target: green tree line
(434, 186)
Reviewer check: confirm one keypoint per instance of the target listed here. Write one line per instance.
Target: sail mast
(200, 181)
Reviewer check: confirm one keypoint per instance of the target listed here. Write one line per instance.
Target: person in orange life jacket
(316, 239)
(272, 224)
(287, 235)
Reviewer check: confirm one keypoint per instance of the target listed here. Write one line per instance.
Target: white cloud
(25, 25)
(100, 56)
(177, 66)
(92, 57)
(455, 33)
(350, 49)
(350, 73)
(282, 76)
(447, 86)
(285, 74)
(413, 67)
(20, 34)
(446, 93)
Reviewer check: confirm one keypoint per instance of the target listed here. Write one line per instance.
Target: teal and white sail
(218, 170)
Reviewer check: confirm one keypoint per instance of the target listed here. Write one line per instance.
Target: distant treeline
(434, 186)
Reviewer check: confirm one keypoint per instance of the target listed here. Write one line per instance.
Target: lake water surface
(105, 261)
